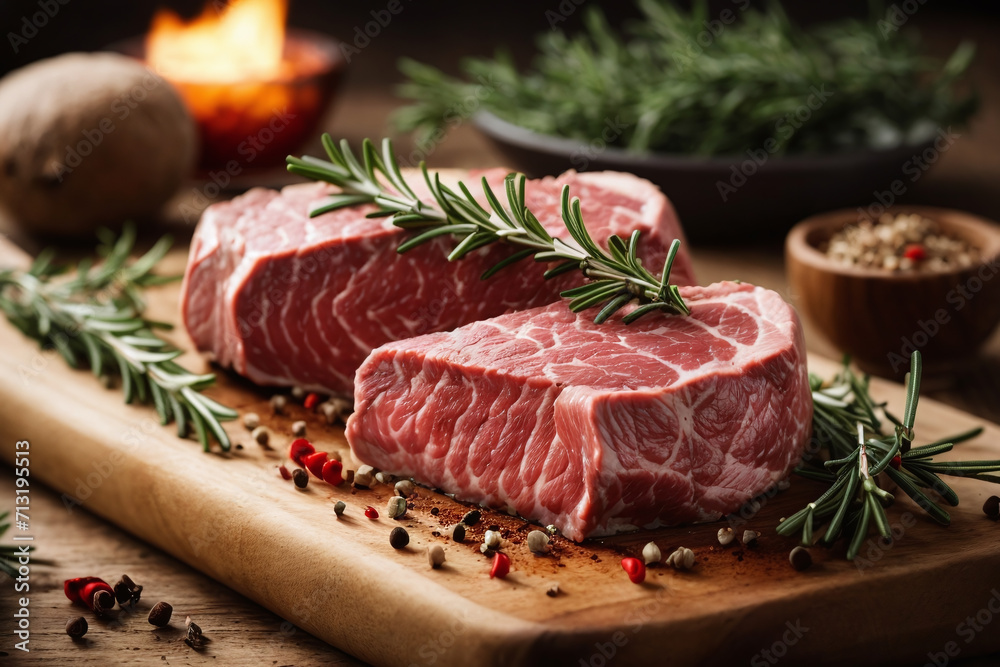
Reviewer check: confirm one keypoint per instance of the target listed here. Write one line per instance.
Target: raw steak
(288, 300)
(596, 428)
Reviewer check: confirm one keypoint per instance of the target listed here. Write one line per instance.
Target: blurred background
(441, 33)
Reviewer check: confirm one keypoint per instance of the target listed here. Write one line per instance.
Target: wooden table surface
(244, 633)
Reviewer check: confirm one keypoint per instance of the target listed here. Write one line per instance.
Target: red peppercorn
(312, 399)
(915, 252)
(332, 472)
(635, 568)
(371, 512)
(896, 461)
(501, 566)
(314, 463)
(300, 447)
(85, 589)
(285, 474)
(73, 588)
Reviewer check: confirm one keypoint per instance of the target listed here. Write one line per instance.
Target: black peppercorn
(800, 558)
(159, 615)
(76, 627)
(992, 507)
(301, 478)
(127, 591)
(399, 538)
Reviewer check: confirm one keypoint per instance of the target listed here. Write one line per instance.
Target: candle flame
(243, 42)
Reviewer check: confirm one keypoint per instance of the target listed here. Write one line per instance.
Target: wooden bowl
(879, 317)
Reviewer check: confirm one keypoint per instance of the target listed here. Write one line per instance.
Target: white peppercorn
(336, 409)
(651, 553)
(682, 559)
(404, 487)
(364, 476)
(435, 556)
(299, 429)
(329, 412)
(492, 539)
(726, 536)
(538, 542)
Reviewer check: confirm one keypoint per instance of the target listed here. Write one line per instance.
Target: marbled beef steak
(596, 428)
(288, 300)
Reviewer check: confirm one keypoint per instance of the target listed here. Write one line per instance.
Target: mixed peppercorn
(904, 242)
(494, 545)
(98, 596)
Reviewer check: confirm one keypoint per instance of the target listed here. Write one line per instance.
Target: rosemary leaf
(97, 316)
(617, 279)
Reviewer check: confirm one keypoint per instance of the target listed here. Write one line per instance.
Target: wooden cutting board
(233, 517)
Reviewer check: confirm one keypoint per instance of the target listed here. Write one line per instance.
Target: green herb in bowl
(669, 85)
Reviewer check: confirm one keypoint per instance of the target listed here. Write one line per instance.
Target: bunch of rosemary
(617, 278)
(95, 317)
(855, 450)
(696, 84)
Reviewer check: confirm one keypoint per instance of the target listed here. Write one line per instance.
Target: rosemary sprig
(846, 424)
(96, 317)
(617, 277)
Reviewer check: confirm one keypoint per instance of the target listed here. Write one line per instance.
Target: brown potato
(90, 139)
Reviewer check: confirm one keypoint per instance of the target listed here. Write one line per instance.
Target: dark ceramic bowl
(720, 199)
